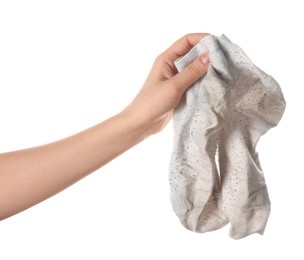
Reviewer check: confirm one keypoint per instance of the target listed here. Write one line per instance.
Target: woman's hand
(153, 106)
(30, 176)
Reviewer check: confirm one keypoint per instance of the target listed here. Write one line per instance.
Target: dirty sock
(228, 109)
(255, 105)
(194, 178)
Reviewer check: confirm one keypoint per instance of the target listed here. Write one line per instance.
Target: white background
(67, 65)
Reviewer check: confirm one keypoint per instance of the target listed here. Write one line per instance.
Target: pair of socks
(215, 174)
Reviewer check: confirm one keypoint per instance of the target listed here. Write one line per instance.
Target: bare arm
(30, 176)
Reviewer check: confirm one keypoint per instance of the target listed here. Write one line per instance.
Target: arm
(30, 176)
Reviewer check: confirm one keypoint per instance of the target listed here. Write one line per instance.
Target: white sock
(256, 104)
(228, 109)
(194, 178)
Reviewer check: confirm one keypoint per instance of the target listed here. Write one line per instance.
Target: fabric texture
(215, 174)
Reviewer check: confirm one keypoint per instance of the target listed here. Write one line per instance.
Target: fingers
(192, 72)
(183, 45)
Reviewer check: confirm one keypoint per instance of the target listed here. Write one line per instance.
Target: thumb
(198, 68)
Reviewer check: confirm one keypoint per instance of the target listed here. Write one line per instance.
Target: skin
(32, 175)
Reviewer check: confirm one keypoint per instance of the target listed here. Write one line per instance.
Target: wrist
(135, 123)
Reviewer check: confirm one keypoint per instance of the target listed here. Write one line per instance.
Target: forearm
(30, 176)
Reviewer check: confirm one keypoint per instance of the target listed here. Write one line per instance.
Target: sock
(255, 105)
(228, 109)
(194, 178)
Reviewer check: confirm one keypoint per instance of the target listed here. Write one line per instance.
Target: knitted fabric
(215, 174)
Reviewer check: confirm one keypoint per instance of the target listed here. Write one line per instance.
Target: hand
(32, 175)
(164, 87)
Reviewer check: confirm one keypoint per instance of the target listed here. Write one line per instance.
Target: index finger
(183, 45)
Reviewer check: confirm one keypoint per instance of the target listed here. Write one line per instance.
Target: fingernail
(205, 58)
